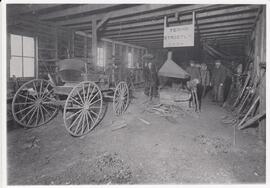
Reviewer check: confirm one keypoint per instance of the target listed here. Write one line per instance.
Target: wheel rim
(120, 98)
(34, 103)
(83, 108)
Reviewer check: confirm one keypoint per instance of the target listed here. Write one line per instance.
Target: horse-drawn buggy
(82, 97)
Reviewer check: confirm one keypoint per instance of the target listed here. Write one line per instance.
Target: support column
(94, 41)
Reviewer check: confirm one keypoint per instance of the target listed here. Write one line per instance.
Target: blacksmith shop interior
(135, 94)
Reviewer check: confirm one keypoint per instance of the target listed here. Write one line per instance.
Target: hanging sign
(178, 36)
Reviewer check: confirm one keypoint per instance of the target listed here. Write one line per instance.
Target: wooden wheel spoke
(37, 118)
(76, 101)
(51, 107)
(79, 123)
(45, 96)
(45, 90)
(46, 110)
(87, 121)
(83, 123)
(89, 97)
(79, 96)
(43, 114)
(74, 108)
(88, 113)
(31, 106)
(74, 114)
(73, 123)
(94, 102)
(91, 111)
(27, 114)
(23, 103)
(35, 88)
(29, 121)
(40, 89)
(93, 97)
(26, 97)
(84, 97)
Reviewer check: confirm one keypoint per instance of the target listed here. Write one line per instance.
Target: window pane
(28, 67)
(100, 58)
(16, 45)
(28, 46)
(130, 62)
(16, 66)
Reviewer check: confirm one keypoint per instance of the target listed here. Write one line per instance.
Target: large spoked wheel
(120, 98)
(83, 108)
(34, 103)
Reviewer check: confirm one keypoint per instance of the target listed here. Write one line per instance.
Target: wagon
(82, 97)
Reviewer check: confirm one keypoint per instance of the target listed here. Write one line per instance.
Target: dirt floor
(186, 148)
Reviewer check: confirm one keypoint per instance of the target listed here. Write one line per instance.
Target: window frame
(23, 78)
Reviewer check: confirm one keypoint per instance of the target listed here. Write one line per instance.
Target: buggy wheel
(120, 98)
(34, 104)
(83, 108)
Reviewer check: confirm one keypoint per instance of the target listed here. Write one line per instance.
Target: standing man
(153, 80)
(217, 81)
(205, 78)
(195, 79)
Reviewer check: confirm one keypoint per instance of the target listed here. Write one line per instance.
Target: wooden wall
(257, 52)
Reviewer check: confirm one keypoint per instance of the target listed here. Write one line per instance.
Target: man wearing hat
(217, 81)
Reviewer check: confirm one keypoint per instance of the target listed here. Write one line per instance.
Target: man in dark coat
(217, 81)
(153, 80)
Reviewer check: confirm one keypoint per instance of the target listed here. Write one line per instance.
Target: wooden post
(56, 49)
(94, 41)
(36, 58)
(72, 53)
(262, 87)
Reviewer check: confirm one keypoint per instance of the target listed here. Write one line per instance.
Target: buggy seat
(71, 70)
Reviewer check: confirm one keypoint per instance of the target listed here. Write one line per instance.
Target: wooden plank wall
(112, 48)
(258, 42)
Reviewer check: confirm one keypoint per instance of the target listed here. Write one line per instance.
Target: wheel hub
(86, 106)
(38, 102)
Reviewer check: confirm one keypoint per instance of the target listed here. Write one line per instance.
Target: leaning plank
(242, 92)
(253, 120)
(249, 111)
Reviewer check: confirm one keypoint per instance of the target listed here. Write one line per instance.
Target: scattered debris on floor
(144, 121)
(118, 125)
(32, 142)
(214, 145)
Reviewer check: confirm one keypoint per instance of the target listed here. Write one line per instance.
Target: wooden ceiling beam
(225, 25)
(207, 12)
(158, 36)
(161, 31)
(116, 13)
(201, 22)
(16, 9)
(232, 37)
(227, 33)
(75, 10)
(171, 12)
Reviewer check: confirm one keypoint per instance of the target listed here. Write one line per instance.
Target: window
(101, 57)
(22, 60)
(130, 60)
